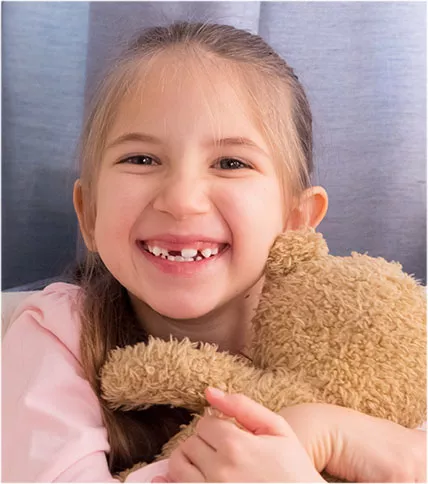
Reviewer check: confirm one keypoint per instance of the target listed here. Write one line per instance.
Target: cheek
(253, 206)
(117, 209)
(253, 215)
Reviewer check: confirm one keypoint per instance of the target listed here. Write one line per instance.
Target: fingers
(219, 433)
(254, 417)
(197, 450)
(181, 469)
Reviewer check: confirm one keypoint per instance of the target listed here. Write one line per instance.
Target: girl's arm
(345, 443)
(358, 447)
(52, 424)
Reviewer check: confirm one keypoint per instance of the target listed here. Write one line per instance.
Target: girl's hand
(220, 451)
(357, 447)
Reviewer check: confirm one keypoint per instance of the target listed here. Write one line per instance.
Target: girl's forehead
(188, 93)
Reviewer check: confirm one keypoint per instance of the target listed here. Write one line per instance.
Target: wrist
(345, 428)
(316, 427)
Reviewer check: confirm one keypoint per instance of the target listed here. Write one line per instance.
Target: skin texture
(178, 185)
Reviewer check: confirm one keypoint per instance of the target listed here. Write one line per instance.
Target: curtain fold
(44, 48)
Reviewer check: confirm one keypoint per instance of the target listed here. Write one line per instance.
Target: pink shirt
(52, 425)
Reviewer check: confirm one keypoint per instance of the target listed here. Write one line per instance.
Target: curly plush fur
(343, 330)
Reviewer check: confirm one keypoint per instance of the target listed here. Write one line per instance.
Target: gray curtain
(363, 66)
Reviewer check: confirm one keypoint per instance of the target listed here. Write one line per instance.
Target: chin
(184, 314)
(179, 310)
(182, 302)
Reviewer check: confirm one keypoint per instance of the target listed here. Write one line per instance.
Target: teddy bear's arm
(171, 373)
(177, 373)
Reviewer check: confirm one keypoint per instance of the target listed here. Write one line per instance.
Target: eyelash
(235, 161)
(138, 157)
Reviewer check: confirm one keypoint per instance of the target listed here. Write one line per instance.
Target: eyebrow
(238, 141)
(141, 137)
(147, 138)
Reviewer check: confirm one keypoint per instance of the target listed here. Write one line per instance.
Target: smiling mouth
(186, 254)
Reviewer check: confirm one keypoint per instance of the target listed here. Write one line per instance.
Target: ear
(310, 210)
(81, 216)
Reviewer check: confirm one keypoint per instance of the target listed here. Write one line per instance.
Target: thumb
(251, 415)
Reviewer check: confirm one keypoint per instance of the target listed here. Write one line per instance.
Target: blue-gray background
(363, 66)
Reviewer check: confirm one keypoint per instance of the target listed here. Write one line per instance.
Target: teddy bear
(343, 330)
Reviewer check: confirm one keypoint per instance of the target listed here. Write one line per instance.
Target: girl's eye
(140, 160)
(232, 164)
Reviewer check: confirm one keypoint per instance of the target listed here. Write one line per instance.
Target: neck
(228, 327)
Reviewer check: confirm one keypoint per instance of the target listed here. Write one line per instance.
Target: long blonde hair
(280, 105)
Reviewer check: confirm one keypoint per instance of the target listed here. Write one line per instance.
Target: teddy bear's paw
(292, 248)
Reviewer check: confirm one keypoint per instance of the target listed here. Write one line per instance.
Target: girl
(196, 153)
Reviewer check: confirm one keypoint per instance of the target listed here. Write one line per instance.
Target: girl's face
(188, 199)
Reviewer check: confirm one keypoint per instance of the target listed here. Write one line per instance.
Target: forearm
(315, 426)
(357, 447)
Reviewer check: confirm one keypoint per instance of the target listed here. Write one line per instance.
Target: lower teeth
(179, 258)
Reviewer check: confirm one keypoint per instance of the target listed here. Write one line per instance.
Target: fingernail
(215, 392)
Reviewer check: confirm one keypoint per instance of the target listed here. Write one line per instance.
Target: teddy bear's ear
(294, 247)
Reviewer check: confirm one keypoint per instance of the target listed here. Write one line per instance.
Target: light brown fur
(344, 330)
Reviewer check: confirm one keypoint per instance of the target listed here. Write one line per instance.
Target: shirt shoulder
(52, 420)
(55, 309)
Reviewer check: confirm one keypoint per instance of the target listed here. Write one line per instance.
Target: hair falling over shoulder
(108, 321)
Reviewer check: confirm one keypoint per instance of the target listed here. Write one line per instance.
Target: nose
(182, 196)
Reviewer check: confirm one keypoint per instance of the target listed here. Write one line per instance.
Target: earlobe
(310, 211)
(81, 216)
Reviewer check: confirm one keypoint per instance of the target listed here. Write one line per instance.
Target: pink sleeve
(52, 429)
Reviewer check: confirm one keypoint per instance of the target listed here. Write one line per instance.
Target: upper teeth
(209, 252)
(187, 254)
(156, 250)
